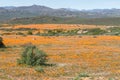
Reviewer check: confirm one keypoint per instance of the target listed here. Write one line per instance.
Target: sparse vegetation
(71, 48)
(110, 21)
(43, 43)
(114, 31)
(95, 31)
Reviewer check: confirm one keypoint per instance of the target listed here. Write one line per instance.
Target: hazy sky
(75, 4)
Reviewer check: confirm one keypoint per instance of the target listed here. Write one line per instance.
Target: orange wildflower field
(98, 56)
(58, 26)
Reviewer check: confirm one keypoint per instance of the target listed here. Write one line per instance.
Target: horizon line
(55, 8)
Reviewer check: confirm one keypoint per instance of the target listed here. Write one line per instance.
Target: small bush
(29, 32)
(32, 56)
(81, 75)
(19, 33)
(1, 39)
(111, 79)
(39, 69)
(1, 43)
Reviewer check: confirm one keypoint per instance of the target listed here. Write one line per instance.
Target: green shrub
(81, 75)
(95, 31)
(32, 56)
(1, 43)
(1, 39)
(29, 32)
(114, 31)
(72, 32)
(20, 33)
(39, 69)
(111, 79)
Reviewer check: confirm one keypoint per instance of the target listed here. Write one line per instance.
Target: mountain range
(15, 13)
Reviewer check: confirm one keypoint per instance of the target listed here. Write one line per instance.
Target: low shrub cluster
(32, 56)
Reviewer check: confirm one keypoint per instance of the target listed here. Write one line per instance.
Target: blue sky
(75, 4)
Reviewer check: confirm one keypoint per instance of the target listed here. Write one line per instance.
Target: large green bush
(33, 56)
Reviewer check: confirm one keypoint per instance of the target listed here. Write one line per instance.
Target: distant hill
(7, 13)
(11, 12)
(66, 20)
(41, 14)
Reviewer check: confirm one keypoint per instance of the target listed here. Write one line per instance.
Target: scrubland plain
(97, 56)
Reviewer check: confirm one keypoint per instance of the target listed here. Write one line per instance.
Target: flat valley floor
(97, 56)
